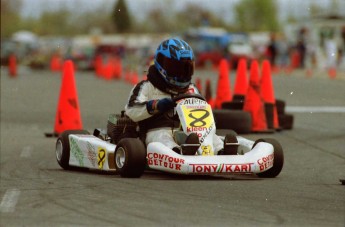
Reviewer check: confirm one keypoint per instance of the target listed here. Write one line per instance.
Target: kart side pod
(77, 148)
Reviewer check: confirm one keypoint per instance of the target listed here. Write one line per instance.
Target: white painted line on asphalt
(315, 109)
(9, 201)
(26, 152)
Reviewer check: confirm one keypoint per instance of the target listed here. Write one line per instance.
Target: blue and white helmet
(174, 59)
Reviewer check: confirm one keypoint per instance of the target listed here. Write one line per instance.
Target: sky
(139, 8)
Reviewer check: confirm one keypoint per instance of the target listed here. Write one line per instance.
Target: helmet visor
(178, 82)
(178, 70)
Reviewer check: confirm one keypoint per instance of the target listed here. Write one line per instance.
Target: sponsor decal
(207, 132)
(195, 107)
(196, 129)
(266, 162)
(197, 117)
(76, 151)
(221, 168)
(207, 150)
(101, 157)
(155, 159)
(91, 154)
(185, 52)
(193, 101)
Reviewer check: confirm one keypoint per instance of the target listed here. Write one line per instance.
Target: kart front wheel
(130, 157)
(62, 149)
(278, 161)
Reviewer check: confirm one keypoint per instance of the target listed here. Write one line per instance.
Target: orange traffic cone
(276, 118)
(223, 87)
(134, 78)
(208, 93)
(198, 84)
(241, 82)
(267, 94)
(127, 75)
(294, 60)
(118, 68)
(55, 63)
(98, 65)
(332, 73)
(68, 113)
(253, 102)
(108, 69)
(12, 65)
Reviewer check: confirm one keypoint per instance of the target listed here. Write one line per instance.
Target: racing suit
(158, 127)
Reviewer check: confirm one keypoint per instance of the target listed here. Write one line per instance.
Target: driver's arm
(136, 106)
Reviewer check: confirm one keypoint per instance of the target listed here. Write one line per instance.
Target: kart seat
(189, 144)
(180, 137)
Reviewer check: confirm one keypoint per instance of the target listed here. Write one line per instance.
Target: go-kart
(122, 150)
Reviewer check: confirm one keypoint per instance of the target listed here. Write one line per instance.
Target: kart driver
(169, 76)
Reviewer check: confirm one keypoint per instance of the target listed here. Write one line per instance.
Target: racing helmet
(174, 60)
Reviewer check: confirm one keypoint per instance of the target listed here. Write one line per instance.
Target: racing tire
(232, 132)
(130, 157)
(278, 161)
(233, 105)
(62, 148)
(237, 120)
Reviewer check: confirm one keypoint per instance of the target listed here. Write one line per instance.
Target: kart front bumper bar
(257, 160)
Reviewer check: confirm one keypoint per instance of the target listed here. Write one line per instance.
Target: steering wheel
(180, 97)
(188, 95)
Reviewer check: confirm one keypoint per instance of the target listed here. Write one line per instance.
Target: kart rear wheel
(62, 149)
(278, 158)
(130, 157)
(237, 120)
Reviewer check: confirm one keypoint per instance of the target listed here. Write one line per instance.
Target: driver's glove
(159, 105)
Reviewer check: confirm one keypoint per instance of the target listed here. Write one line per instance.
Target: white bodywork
(195, 116)
(257, 160)
(91, 152)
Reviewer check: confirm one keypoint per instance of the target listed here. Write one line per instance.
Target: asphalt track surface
(35, 191)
